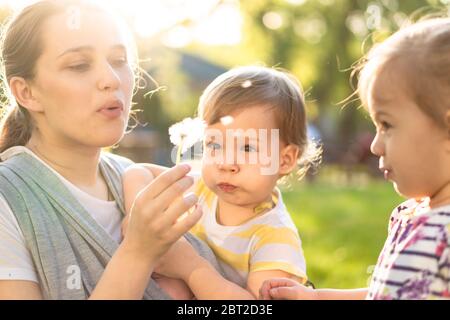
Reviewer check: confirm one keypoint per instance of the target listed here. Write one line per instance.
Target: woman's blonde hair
(21, 47)
(278, 90)
(420, 54)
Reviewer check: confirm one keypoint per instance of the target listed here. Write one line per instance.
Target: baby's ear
(288, 159)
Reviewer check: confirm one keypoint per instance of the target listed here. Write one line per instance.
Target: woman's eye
(79, 67)
(120, 62)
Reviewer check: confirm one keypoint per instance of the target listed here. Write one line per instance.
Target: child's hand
(286, 289)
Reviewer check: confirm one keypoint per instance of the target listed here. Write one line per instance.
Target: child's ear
(22, 91)
(288, 159)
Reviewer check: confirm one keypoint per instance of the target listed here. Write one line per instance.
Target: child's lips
(226, 187)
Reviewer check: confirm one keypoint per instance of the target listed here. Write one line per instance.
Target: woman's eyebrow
(76, 49)
(90, 48)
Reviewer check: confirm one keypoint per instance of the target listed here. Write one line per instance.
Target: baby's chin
(242, 199)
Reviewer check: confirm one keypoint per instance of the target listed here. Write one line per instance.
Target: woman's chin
(107, 140)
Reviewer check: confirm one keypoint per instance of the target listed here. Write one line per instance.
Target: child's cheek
(208, 175)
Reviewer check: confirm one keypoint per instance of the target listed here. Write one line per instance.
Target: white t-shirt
(15, 258)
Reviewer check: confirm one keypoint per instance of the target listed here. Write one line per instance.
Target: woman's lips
(112, 110)
(226, 187)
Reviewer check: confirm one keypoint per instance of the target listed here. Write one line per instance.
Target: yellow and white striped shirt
(267, 242)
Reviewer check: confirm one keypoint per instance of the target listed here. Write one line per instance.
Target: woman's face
(84, 82)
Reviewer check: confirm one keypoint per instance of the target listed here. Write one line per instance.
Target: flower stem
(180, 147)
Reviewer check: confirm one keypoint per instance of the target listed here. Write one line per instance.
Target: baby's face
(241, 159)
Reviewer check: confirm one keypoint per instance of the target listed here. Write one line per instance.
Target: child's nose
(229, 167)
(377, 147)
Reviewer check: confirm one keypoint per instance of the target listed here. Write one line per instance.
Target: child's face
(243, 168)
(414, 151)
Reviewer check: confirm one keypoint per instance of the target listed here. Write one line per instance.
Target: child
(405, 85)
(255, 135)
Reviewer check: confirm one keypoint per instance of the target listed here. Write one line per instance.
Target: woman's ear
(22, 91)
(288, 159)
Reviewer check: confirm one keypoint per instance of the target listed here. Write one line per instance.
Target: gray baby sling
(60, 234)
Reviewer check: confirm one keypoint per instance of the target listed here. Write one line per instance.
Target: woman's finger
(178, 208)
(173, 193)
(187, 222)
(164, 181)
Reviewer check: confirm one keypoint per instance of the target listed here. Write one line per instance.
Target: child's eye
(249, 148)
(213, 146)
(384, 126)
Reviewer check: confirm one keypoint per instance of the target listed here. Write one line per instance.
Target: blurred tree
(316, 40)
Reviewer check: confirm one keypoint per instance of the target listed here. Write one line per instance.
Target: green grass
(343, 229)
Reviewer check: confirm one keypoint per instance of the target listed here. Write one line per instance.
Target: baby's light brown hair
(420, 55)
(278, 90)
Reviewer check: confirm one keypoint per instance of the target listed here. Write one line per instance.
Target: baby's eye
(213, 146)
(249, 148)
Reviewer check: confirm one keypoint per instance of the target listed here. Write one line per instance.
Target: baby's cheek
(208, 175)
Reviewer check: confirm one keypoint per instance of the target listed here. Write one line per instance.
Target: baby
(255, 135)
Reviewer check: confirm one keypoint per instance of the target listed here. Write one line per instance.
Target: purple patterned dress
(415, 260)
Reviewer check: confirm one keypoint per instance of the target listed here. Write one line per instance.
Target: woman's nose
(109, 79)
(377, 146)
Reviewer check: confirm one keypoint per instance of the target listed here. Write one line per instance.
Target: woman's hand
(154, 223)
(286, 289)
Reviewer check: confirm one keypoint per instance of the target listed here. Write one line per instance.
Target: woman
(69, 66)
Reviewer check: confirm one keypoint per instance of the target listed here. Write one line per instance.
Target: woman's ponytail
(15, 128)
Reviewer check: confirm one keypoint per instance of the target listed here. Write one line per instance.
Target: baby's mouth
(226, 187)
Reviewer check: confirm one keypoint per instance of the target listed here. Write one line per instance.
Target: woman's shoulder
(117, 161)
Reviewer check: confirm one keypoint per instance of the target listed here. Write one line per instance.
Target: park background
(342, 208)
